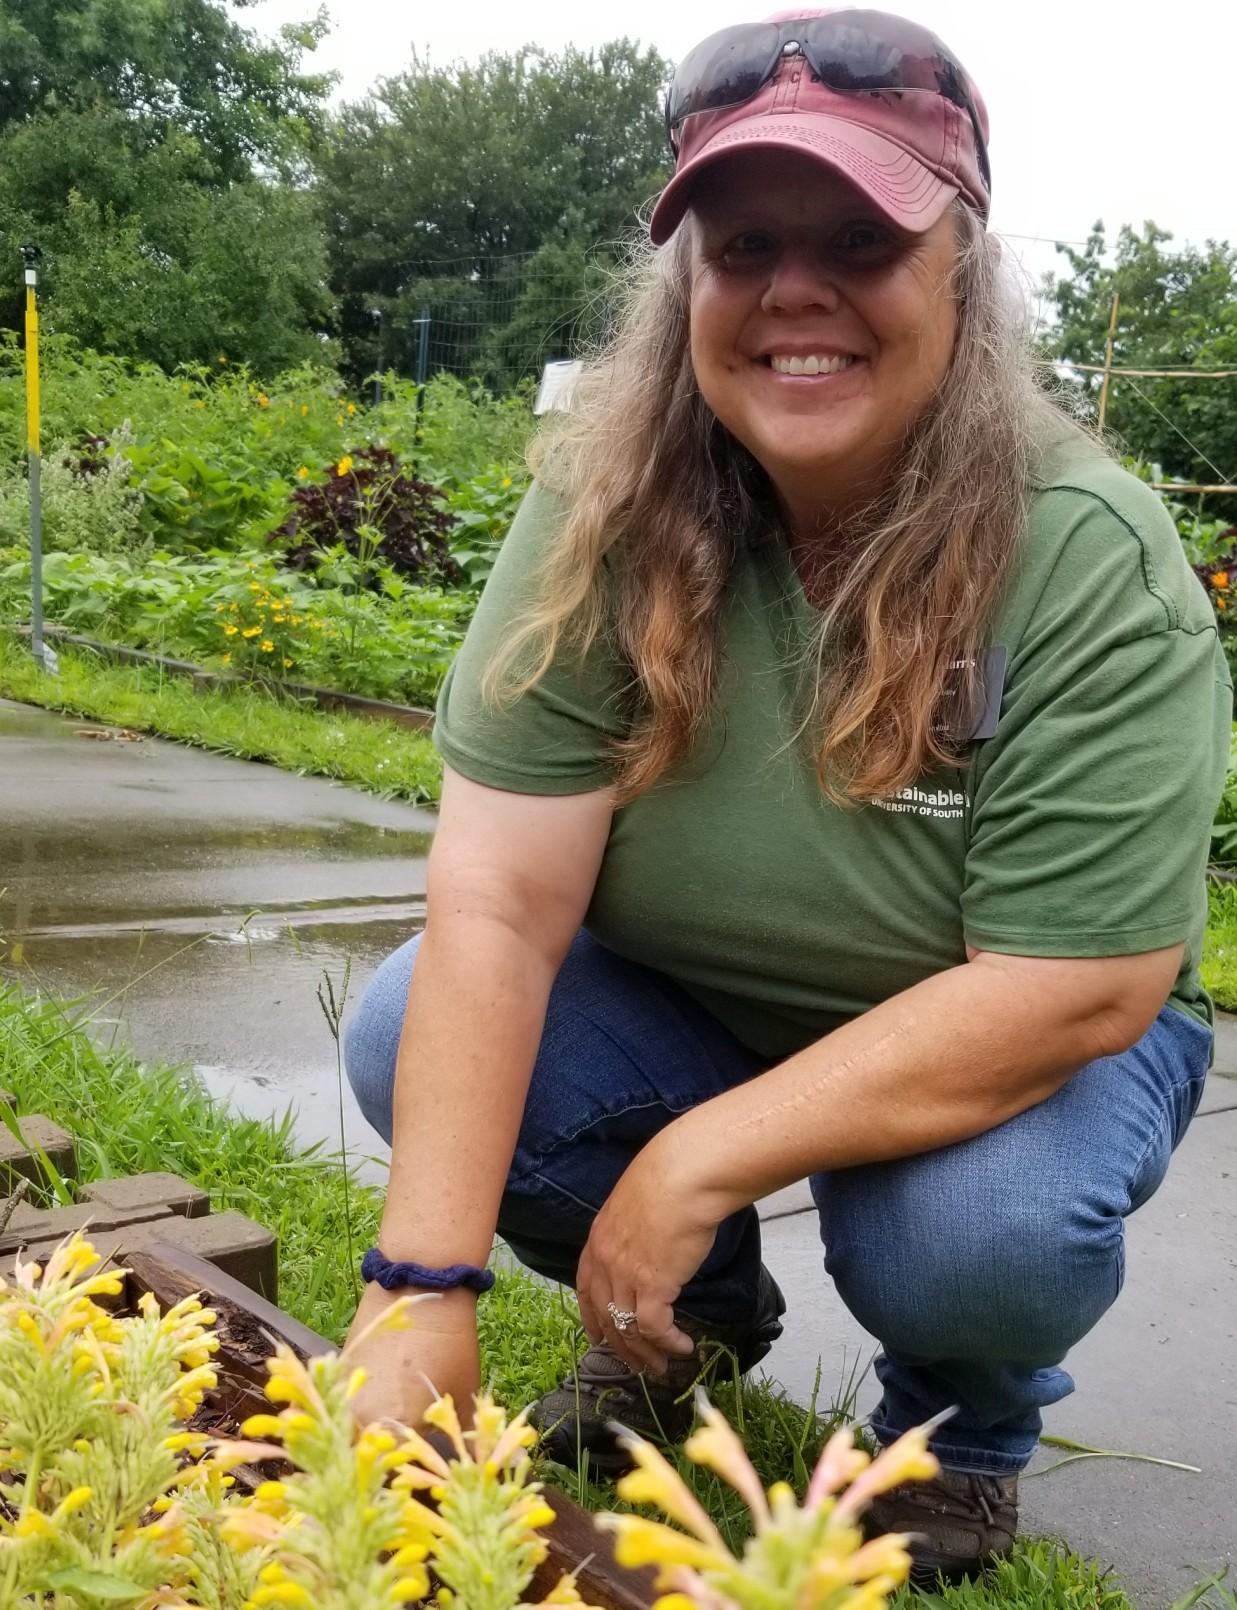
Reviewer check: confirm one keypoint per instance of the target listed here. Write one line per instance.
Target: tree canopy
(159, 153)
(1178, 309)
(528, 152)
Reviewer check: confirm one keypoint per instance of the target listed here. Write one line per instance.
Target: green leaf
(92, 1584)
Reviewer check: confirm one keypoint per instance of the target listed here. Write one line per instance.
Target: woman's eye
(743, 248)
(865, 238)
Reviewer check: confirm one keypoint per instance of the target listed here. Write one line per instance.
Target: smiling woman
(830, 768)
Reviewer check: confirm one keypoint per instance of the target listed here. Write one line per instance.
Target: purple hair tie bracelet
(392, 1276)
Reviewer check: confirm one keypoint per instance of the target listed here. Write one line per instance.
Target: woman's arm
(510, 877)
(950, 1058)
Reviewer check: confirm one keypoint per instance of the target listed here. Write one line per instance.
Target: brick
(137, 1191)
(31, 1224)
(243, 1249)
(17, 1163)
(108, 1246)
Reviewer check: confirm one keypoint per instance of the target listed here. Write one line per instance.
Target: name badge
(979, 721)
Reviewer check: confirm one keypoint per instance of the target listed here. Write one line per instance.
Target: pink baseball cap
(910, 152)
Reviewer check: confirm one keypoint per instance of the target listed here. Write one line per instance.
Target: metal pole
(423, 357)
(376, 315)
(42, 653)
(1112, 330)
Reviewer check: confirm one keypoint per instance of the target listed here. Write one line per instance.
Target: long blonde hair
(649, 476)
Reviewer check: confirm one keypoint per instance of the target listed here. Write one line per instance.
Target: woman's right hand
(434, 1352)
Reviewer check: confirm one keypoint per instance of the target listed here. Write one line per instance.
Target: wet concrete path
(198, 899)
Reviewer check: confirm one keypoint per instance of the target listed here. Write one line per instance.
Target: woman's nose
(799, 281)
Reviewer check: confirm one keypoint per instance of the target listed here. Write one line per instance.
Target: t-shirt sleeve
(554, 739)
(1092, 805)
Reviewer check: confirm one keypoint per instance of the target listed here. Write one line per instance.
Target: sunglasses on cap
(850, 52)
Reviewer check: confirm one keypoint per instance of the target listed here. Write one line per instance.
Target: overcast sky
(1117, 109)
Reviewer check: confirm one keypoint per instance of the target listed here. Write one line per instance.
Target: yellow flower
(302, 473)
(304, 409)
(506, 481)
(251, 631)
(267, 646)
(221, 359)
(345, 465)
(1220, 580)
(229, 630)
(254, 586)
(339, 419)
(199, 403)
(286, 664)
(227, 659)
(263, 400)
(352, 408)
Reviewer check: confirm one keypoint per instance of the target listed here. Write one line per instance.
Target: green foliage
(484, 509)
(1038, 1576)
(1219, 963)
(1178, 310)
(248, 721)
(529, 149)
(157, 151)
(88, 504)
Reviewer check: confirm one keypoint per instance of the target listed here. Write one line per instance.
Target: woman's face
(793, 269)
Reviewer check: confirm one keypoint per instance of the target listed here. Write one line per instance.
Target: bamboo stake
(1107, 370)
(1152, 374)
(1179, 486)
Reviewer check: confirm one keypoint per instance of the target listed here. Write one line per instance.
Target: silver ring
(624, 1318)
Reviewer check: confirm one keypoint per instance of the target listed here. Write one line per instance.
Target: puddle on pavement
(197, 927)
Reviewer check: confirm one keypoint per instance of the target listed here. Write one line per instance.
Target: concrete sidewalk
(204, 896)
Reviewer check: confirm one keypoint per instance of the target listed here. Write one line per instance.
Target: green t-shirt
(1081, 828)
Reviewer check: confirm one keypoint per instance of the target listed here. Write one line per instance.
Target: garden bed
(402, 715)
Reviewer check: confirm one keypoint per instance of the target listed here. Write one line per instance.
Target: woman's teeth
(810, 366)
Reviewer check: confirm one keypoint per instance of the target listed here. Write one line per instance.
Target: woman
(829, 773)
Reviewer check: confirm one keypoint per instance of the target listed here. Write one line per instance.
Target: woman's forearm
(948, 1059)
(470, 1038)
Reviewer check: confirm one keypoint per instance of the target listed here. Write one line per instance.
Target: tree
(160, 154)
(1178, 309)
(441, 185)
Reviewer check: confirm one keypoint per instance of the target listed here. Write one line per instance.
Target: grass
(248, 722)
(1219, 967)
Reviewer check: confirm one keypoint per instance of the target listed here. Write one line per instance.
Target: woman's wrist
(687, 1159)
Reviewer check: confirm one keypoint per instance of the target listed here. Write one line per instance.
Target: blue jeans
(977, 1266)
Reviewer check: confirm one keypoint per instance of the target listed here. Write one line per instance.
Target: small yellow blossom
(286, 664)
(352, 408)
(263, 400)
(229, 630)
(1219, 580)
(251, 631)
(304, 409)
(344, 466)
(227, 659)
(506, 482)
(302, 473)
(267, 646)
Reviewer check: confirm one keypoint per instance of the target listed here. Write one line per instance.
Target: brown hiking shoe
(574, 1420)
(960, 1522)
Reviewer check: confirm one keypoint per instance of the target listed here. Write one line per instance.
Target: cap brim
(907, 192)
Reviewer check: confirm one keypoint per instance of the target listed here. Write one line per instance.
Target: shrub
(369, 503)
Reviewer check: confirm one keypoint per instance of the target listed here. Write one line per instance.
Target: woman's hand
(647, 1242)
(433, 1352)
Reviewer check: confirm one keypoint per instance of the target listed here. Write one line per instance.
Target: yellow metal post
(45, 655)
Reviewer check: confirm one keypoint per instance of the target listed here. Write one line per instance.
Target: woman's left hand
(646, 1243)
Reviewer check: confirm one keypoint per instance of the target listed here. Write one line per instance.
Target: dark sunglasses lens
(725, 69)
(857, 50)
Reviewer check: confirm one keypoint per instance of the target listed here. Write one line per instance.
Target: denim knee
(934, 1273)
(371, 1039)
